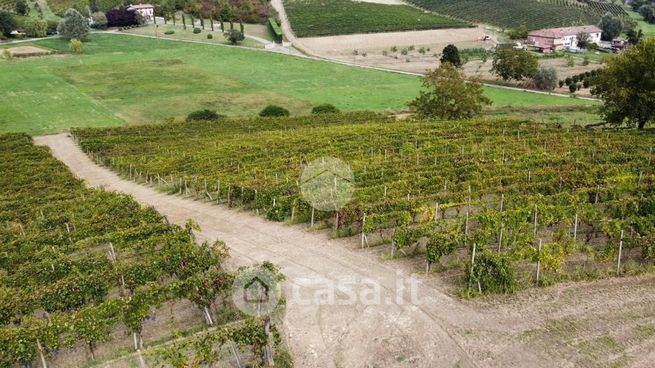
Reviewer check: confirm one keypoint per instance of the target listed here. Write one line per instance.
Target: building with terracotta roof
(146, 10)
(566, 38)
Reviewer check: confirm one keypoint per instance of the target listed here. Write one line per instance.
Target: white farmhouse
(147, 11)
(566, 38)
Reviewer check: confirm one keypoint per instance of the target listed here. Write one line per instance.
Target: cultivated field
(123, 79)
(311, 18)
(88, 275)
(605, 323)
(533, 14)
(574, 200)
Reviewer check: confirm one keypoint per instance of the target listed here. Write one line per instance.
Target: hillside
(534, 14)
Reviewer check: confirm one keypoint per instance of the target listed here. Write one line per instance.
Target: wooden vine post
(364, 237)
(575, 228)
(268, 350)
(535, 219)
(472, 266)
(618, 261)
(39, 348)
(539, 260)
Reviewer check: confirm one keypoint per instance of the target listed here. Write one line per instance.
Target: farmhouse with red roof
(553, 39)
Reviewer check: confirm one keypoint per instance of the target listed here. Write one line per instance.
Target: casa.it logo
(327, 184)
(256, 291)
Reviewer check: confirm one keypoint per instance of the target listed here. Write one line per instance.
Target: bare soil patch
(28, 51)
(338, 46)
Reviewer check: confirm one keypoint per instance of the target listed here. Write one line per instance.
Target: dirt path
(321, 335)
(568, 325)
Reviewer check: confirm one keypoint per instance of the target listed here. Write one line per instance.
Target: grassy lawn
(188, 35)
(125, 79)
(647, 28)
(333, 17)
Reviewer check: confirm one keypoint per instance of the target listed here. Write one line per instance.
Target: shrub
(35, 27)
(273, 110)
(52, 27)
(394, 49)
(209, 36)
(169, 32)
(561, 84)
(99, 20)
(492, 272)
(22, 8)
(545, 78)
(403, 52)
(234, 36)
(519, 33)
(585, 83)
(573, 87)
(121, 18)
(197, 30)
(569, 61)
(585, 61)
(568, 81)
(204, 115)
(73, 25)
(75, 46)
(7, 54)
(325, 109)
(450, 54)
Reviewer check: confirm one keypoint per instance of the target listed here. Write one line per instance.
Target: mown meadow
(121, 79)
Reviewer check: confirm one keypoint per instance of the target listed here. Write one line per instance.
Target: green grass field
(187, 34)
(647, 28)
(311, 18)
(123, 79)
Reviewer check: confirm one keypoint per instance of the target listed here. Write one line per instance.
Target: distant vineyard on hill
(8, 5)
(312, 18)
(534, 14)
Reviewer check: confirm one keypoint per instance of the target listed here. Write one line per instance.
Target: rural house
(147, 11)
(553, 39)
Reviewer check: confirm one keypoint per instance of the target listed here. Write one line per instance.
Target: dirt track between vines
(587, 324)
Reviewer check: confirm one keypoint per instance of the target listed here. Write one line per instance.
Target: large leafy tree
(73, 25)
(627, 86)
(7, 23)
(449, 94)
(611, 25)
(510, 63)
